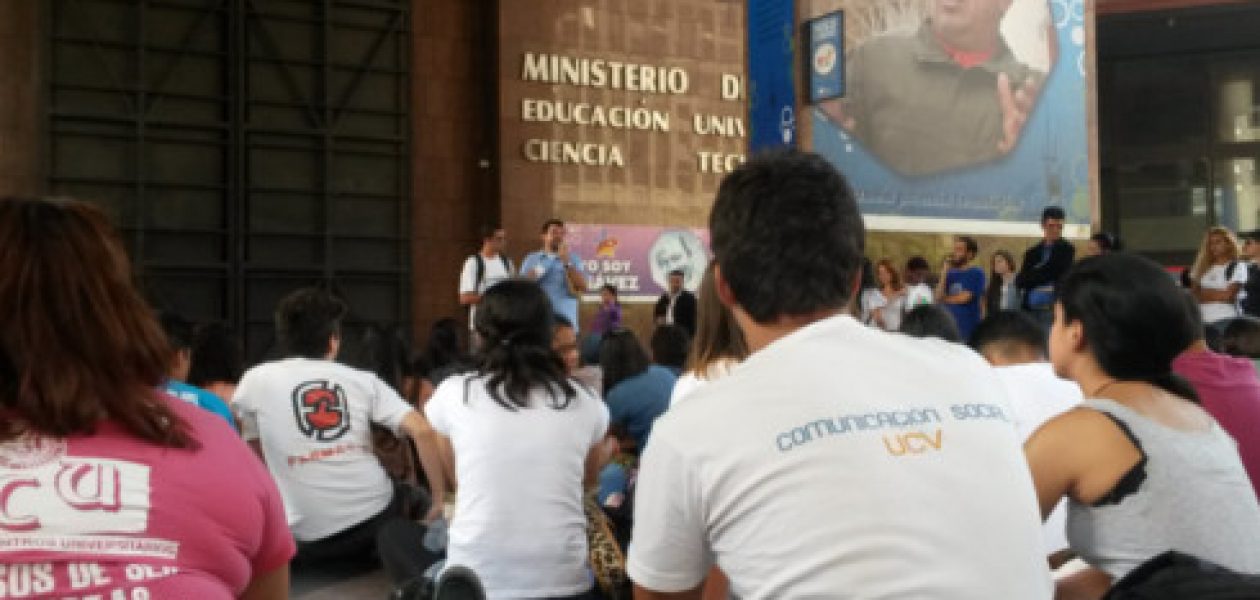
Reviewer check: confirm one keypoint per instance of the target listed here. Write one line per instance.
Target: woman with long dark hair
(1144, 467)
(98, 467)
(523, 439)
(1002, 293)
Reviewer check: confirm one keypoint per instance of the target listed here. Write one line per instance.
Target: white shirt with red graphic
(110, 516)
(312, 418)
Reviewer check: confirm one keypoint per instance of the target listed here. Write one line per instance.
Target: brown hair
(79, 345)
(718, 337)
(887, 264)
(1203, 261)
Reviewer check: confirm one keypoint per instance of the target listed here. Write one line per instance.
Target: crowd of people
(1067, 427)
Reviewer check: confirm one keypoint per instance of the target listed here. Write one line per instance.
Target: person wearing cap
(677, 306)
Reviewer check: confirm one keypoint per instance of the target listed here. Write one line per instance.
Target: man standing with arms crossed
(558, 271)
(1044, 265)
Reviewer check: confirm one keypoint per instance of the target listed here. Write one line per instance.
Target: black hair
(179, 331)
(217, 356)
(972, 247)
(670, 346)
(487, 230)
(383, 351)
(445, 345)
(621, 357)
(1241, 337)
(1053, 212)
(1108, 242)
(610, 288)
(1009, 328)
(560, 320)
(549, 222)
(515, 322)
(869, 279)
(787, 235)
(1135, 319)
(677, 273)
(306, 320)
(930, 320)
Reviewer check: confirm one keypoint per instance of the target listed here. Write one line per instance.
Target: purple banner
(637, 258)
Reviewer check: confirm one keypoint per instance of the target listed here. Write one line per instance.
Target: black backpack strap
(1229, 271)
(481, 272)
(507, 264)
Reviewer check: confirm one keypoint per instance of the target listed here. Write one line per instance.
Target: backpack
(1250, 303)
(481, 268)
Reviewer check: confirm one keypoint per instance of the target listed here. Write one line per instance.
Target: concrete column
(21, 98)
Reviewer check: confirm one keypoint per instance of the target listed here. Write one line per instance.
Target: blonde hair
(1203, 261)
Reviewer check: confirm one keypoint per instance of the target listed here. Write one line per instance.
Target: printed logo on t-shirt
(321, 410)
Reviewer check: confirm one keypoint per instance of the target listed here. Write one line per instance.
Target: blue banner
(826, 57)
(771, 61)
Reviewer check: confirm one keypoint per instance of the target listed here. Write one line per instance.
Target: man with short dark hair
(1044, 265)
(1249, 298)
(962, 285)
(483, 269)
(310, 419)
(1016, 347)
(179, 332)
(558, 271)
(677, 306)
(818, 467)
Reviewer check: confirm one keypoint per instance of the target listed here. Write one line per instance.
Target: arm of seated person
(1082, 454)
(427, 444)
(1089, 584)
(269, 586)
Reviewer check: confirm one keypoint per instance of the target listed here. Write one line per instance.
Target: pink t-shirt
(1230, 391)
(109, 517)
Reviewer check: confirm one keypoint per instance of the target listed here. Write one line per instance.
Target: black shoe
(459, 583)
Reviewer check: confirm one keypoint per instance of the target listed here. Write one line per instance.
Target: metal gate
(244, 147)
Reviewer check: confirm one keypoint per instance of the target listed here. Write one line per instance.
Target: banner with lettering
(771, 74)
(961, 122)
(638, 258)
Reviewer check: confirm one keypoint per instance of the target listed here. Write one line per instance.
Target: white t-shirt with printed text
(842, 460)
(1038, 395)
(519, 523)
(494, 273)
(312, 419)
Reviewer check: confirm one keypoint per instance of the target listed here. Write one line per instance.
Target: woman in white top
(718, 346)
(893, 291)
(1002, 293)
(1216, 276)
(521, 439)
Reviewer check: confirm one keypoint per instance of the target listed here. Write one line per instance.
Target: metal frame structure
(244, 147)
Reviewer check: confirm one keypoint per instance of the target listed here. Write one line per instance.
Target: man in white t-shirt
(309, 419)
(1016, 347)
(484, 269)
(819, 468)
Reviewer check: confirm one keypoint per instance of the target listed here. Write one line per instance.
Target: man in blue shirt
(962, 287)
(179, 332)
(557, 270)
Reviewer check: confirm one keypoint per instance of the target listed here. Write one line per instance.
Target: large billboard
(962, 115)
(637, 259)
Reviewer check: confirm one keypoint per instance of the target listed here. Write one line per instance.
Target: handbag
(608, 562)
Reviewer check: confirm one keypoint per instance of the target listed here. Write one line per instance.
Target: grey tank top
(1194, 497)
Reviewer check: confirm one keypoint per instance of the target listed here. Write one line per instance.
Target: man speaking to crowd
(947, 96)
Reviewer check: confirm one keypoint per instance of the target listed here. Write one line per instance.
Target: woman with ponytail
(521, 439)
(1145, 468)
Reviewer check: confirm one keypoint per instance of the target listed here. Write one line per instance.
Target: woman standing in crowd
(719, 343)
(523, 439)
(1002, 293)
(870, 300)
(81, 359)
(1217, 276)
(1144, 467)
(893, 291)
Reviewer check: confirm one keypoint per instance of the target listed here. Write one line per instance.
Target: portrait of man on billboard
(944, 95)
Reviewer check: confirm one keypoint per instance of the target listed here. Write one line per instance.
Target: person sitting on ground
(308, 417)
(1229, 390)
(1144, 467)
(670, 346)
(179, 333)
(1016, 347)
(217, 361)
(445, 352)
(817, 468)
(930, 321)
(565, 343)
(103, 476)
(637, 391)
(719, 344)
(522, 440)
(1241, 338)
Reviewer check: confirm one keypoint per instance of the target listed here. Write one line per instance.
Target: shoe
(459, 583)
